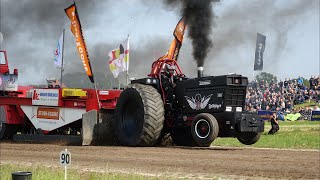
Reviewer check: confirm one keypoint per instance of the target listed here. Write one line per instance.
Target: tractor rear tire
(139, 116)
(204, 129)
(248, 138)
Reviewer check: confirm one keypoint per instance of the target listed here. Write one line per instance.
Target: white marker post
(65, 160)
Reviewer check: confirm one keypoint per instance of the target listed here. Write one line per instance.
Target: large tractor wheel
(248, 138)
(139, 116)
(204, 129)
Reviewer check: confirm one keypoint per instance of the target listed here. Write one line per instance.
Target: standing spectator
(311, 82)
(281, 84)
(290, 82)
(285, 83)
(317, 83)
(300, 81)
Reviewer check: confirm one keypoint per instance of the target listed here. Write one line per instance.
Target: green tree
(267, 77)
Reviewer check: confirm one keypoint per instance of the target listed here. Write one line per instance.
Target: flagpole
(127, 76)
(61, 72)
(95, 87)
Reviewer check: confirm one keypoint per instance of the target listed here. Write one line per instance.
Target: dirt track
(229, 163)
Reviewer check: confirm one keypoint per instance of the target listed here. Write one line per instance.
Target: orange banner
(48, 113)
(77, 32)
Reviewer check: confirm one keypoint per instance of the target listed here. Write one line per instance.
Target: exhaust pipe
(200, 71)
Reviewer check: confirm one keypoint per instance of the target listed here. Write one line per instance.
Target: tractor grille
(235, 96)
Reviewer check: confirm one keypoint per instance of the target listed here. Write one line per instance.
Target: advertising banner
(260, 46)
(80, 43)
(45, 97)
(264, 114)
(8, 82)
(48, 113)
(315, 116)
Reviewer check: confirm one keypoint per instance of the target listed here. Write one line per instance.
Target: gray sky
(31, 29)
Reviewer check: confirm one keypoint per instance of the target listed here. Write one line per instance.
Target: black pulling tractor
(194, 111)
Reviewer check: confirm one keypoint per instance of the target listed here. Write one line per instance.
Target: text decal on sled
(48, 113)
(46, 97)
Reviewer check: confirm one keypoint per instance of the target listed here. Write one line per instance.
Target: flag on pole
(75, 27)
(260, 46)
(119, 58)
(58, 52)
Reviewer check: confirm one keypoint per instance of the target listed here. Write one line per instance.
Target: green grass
(46, 173)
(297, 123)
(311, 103)
(292, 135)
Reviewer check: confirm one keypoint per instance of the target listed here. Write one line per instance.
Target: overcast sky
(31, 29)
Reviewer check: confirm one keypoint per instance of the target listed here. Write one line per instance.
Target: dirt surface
(176, 162)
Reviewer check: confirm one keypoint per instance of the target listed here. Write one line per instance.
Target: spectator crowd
(282, 96)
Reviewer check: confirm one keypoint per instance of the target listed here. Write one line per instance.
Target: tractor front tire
(248, 138)
(204, 129)
(139, 116)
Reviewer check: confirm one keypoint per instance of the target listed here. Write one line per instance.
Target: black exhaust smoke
(199, 18)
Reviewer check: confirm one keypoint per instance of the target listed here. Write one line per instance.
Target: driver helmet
(170, 69)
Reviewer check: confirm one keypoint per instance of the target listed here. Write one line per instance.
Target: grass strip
(292, 135)
(50, 173)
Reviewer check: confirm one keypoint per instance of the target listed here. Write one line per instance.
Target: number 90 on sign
(65, 158)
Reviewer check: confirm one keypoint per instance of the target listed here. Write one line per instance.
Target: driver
(168, 83)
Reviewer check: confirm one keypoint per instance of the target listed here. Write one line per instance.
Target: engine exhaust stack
(200, 71)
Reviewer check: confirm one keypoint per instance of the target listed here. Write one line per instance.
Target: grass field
(45, 173)
(311, 103)
(292, 135)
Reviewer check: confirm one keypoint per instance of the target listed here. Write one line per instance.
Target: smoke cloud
(199, 17)
(31, 29)
(238, 23)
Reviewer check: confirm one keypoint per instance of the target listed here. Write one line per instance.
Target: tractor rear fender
(154, 82)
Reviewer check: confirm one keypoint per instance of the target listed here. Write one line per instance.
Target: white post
(65, 170)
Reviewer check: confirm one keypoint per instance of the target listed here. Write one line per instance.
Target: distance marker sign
(65, 158)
